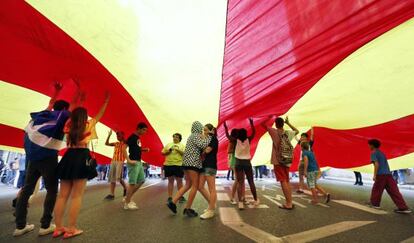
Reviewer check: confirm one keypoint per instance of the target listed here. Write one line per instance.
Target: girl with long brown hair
(72, 169)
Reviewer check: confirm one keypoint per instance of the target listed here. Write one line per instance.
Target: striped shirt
(119, 152)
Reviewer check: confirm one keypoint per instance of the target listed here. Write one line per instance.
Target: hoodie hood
(197, 127)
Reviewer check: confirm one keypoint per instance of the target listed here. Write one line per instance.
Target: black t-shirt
(134, 146)
(210, 160)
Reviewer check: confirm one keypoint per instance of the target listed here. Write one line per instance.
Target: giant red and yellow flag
(343, 67)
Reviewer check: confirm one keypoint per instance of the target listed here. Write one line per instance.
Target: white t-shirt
(242, 150)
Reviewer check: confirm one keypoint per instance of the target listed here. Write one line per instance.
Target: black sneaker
(403, 211)
(169, 200)
(182, 199)
(110, 197)
(125, 192)
(172, 207)
(190, 213)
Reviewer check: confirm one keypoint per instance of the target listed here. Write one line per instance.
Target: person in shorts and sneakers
(282, 155)
(117, 164)
(136, 175)
(304, 137)
(173, 165)
(209, 172)
(312, 173)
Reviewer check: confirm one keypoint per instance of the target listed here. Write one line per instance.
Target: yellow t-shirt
(174, 158)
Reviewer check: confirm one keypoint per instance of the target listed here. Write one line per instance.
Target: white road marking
(231, 218)
(280, 197)
(219, 182)
(360, 207)
(325, 231)
(319, 204)
(259, 206)
(222, 197)
(264, 188)
(149, 185)
(272, 199)
(307, 192)
(219, 188)
(409, 240)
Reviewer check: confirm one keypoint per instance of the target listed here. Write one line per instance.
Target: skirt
(73, 164)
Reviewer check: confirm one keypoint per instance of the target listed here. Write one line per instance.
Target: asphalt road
(345, 219)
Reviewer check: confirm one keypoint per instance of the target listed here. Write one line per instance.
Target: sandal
(58, 232)
(70, 234)
(286, 208)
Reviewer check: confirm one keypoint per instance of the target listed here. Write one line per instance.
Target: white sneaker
(124, 200)
(130, 206)
(47, 231)
(233, 202)
(208, 214)
(26, 229)
(241, 205)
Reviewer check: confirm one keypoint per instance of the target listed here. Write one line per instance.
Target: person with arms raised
(117, 164)
(42, 141)
(282, 155)
(73, 170)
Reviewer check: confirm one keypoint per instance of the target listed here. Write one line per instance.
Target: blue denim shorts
(209, 172)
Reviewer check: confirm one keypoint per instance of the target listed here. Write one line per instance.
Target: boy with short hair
(383, 180)
(136, 176)
(117, 164)
(282, 155)
(312, 172)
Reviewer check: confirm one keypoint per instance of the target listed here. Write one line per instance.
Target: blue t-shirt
(384, 168)
(312, 164)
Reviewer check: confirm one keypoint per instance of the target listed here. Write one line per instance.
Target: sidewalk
(405, 187)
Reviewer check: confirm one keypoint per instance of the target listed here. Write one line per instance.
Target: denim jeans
(47, 169)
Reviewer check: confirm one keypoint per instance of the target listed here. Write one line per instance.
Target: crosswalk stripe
(325, 231)
(360, 207)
